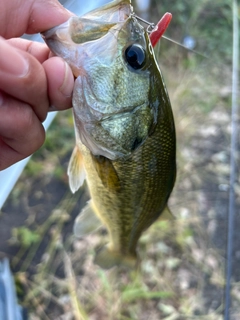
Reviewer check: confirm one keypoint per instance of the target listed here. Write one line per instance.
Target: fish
(124, 127)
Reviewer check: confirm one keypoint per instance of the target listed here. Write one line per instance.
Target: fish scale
(125, 135)
(150, 199)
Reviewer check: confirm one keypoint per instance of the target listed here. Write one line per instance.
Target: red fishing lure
(160, 28)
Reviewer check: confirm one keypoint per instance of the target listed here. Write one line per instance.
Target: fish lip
(48, 34)
(57, 32)
(114, 11)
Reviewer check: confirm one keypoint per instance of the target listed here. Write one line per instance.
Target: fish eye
(135, 56)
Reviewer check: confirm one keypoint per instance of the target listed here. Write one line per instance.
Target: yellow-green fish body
(124, 126)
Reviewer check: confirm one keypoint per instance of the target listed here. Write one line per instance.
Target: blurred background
(182, 274)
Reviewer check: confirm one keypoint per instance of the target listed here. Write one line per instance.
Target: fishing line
(233, 160)
(181, 45)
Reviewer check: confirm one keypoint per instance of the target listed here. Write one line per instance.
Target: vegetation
(181, 276)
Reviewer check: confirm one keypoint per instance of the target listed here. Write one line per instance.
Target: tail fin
(107, 258)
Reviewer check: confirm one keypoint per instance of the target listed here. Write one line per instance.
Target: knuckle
(27, 118)
(33, 132)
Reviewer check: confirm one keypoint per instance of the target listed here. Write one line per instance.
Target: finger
(24, 78)
(38, 50)
(46, 14)
(32, 16)
(60, 83)
(21, 132)
(8, 156)
(59, 75)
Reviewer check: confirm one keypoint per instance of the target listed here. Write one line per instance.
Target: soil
(38, 195)
(42, 196)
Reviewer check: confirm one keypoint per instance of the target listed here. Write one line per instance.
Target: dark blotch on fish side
(136, 144)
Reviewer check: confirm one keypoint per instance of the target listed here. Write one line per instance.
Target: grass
(181, 276)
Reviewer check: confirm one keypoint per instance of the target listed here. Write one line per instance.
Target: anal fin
(76, 170)
(166, 214)
(86, 222)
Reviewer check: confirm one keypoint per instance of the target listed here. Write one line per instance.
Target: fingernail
(11, 61)
(67, 85)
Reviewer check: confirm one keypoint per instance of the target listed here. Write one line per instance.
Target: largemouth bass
(125, 135)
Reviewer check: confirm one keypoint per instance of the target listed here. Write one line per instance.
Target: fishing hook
(151, 26)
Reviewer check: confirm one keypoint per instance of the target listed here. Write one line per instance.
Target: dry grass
(182, 270)
(181, 276)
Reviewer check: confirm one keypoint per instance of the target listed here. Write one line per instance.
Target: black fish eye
(135, 56)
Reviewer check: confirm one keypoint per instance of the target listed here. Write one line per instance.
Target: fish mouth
(91, 26)
(68, 39)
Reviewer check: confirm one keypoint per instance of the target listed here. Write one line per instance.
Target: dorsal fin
(76, 170)
(107, 173)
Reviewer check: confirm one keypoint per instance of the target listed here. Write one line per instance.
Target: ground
(182, 273)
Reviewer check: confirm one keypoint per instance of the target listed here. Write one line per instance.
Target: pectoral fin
(107, 173)
(86, 222)
(76, 170)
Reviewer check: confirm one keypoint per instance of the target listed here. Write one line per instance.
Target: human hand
(31, 83)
